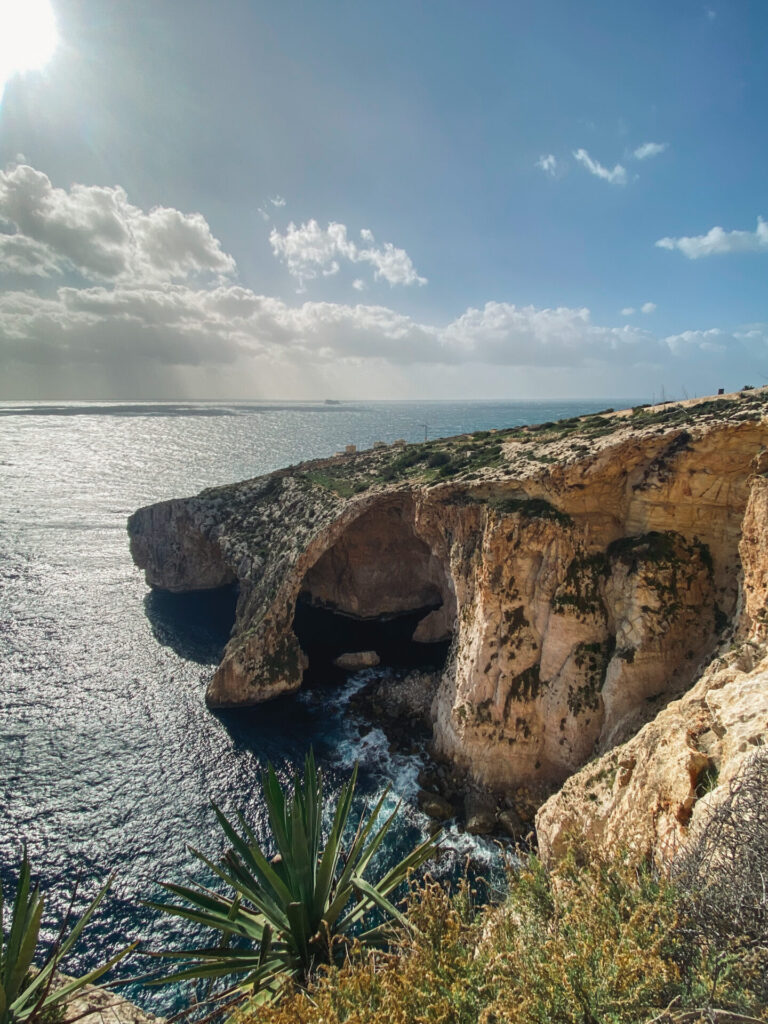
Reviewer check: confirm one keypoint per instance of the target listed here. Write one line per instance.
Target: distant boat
(332, 401)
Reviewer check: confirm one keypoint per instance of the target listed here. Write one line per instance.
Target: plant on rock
(283, 917)
(31, 992)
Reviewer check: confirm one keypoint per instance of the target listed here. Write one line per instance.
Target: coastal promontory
(593, 584)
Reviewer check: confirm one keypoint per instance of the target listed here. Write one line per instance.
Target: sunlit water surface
(109, 758)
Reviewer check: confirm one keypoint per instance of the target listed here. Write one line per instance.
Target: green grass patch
(530, 508)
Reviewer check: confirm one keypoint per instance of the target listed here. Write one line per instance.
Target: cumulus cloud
(309, 251)
(717, 241)
(649, 149)
(616, 176)
(548, 164)
(25, 256)
(628, 311)
(158, 297)
(277, 201)
(178, 325)
(96, 231)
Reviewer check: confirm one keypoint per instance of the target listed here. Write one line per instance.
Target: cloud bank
(145, 292)
(717, 242)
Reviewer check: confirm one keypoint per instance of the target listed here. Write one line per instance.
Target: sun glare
(28, 36)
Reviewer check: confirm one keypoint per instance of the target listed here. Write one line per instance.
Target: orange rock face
(585, 587)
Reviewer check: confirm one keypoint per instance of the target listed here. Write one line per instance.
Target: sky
(418, 199)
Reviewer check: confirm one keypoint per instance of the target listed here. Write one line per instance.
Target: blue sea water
(108, 756)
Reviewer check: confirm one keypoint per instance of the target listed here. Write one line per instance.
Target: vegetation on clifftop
(590, 942)
(482, 454)
(32, 990)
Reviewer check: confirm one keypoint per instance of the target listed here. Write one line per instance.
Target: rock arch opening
(381, 589)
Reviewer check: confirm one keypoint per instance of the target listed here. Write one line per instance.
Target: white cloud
(277, 201)
(25, 256)
(96, 231)
(548, 164)
(717, 241)
(617, 176)
(649, 149)
(309, 251)
(358, 284)
(647, 307)
(175, 326)
(156, 301)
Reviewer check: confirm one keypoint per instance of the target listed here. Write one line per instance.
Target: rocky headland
(595, 590)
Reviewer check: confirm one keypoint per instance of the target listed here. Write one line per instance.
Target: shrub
(723, 874)
(32, 992)
(589, 942)
(302, 909)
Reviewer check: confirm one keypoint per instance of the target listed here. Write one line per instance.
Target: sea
(109, 758)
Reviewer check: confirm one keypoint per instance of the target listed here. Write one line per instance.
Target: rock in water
(355, 660)
(511, 823)
(435, 806)
(480, 810)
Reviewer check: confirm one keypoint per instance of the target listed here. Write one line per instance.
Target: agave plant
(29, 991)
(283, 917)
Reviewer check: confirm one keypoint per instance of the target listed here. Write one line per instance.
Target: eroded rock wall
(646, 795)
(583, 593)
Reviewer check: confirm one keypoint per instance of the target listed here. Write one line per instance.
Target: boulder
(354, 660)
(435, 806)
(512, 824)
(480, 813)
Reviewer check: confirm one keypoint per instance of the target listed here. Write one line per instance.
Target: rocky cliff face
(646, 795)
(586, 572)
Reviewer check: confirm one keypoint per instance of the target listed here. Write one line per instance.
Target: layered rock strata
(586, 572)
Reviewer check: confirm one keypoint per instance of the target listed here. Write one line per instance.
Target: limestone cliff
(646, 795)
(585, 571)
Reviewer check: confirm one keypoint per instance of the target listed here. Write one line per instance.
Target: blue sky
(183, 188)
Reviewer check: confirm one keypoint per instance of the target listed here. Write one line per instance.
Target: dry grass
(589, 943)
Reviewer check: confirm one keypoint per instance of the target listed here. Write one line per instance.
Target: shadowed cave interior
(378, 588)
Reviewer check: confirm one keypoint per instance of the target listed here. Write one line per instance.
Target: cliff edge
(583, 573)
